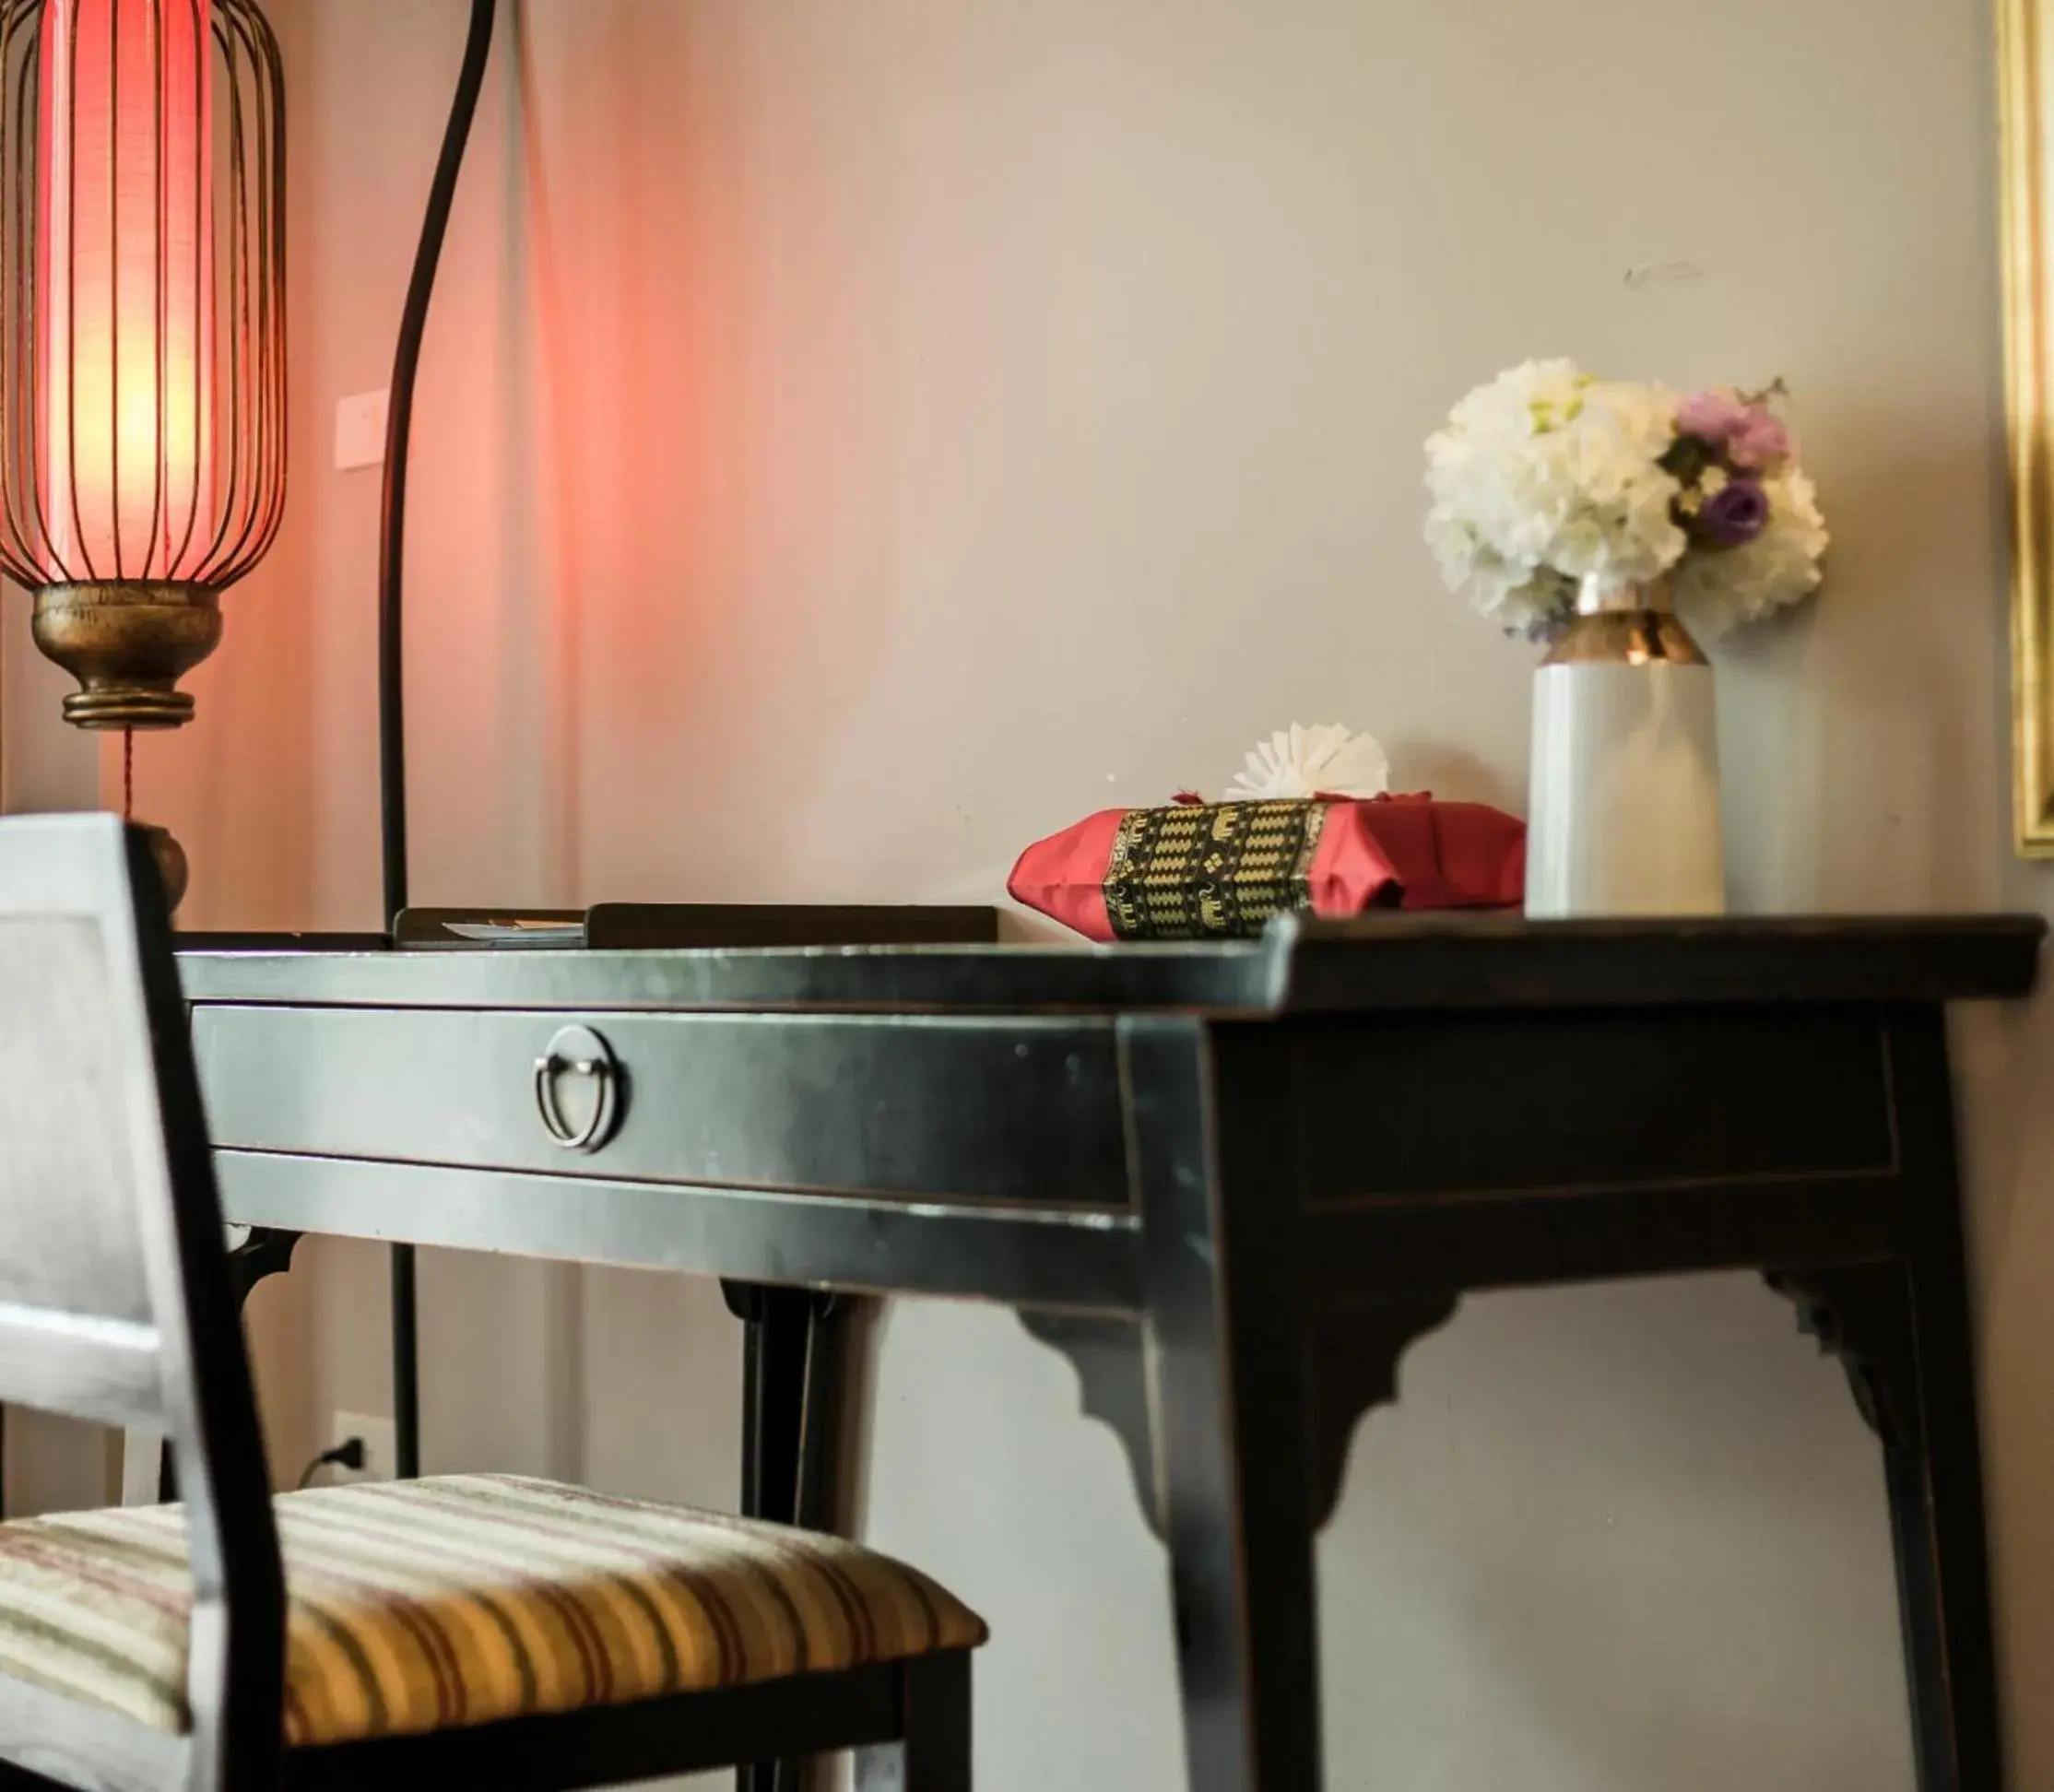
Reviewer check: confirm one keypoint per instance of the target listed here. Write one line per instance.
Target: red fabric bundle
(1223, 870)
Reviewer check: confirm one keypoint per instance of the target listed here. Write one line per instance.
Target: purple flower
(1713, 416)
(1761, 441)
(1734, 515)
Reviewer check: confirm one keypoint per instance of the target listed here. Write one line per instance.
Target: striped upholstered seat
(452, 1602)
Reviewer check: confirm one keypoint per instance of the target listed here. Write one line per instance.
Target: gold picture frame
(2026, 73)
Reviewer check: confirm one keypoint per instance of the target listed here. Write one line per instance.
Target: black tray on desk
(688, 926)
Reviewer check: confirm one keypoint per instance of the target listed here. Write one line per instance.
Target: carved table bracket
(1860, 1313)
(256, 1254)
(1106, 1354)
(1351, 1357)
(1352, 1350)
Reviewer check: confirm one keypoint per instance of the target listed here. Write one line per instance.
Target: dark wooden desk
(1233, 1182)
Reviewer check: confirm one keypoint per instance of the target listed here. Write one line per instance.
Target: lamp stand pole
(392, 666)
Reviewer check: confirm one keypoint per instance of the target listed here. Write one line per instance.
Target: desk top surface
(1379, 963)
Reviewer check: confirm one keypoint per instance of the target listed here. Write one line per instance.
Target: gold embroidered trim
(1215, 870)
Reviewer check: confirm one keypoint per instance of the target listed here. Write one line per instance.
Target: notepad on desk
(456, 930)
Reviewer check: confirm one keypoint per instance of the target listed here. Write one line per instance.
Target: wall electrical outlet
(360, 431)
(380, 1447)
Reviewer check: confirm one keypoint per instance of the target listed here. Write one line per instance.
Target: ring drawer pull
(579, 1052)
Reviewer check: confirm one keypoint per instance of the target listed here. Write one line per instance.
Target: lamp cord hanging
(128, 774)
(392, 682)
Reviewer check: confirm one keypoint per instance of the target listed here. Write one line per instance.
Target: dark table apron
(1233, 1183)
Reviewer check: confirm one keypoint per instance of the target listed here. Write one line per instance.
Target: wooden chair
(476, 1631)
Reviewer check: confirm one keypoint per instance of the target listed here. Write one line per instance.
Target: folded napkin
(1222, 870)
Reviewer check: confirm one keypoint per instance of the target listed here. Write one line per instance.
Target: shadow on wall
(1626, 1537)
(1869, 688)
(714, 487)
(1452, 773)
(1635, 1528)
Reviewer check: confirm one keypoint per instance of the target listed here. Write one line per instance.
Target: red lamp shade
(142, 390)
(125, 215)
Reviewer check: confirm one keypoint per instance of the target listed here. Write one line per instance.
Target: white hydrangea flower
(1302, 762)
(1716, 592)
(1545, 475)
(1548, 476)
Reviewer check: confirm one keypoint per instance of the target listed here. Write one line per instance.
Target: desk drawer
(1493, 1104)
(908, 1107)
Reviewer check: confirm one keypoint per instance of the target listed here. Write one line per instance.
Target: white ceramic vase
(1624, 809)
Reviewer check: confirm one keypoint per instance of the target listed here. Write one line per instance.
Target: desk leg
(1903, 1330)
(792, 1367)
(1942, 1587)
(1214, 1140)
(1936, 1499)
(793, 1362)
(256, 1256)
(148, 1474)
(1936, 1472)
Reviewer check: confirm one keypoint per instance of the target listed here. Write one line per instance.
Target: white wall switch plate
(360, 431)
(380, 1447)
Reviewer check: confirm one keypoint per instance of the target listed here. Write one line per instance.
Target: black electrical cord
(392, 687)
(351, 1455)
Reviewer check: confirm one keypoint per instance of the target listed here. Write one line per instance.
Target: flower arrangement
(1548, 476)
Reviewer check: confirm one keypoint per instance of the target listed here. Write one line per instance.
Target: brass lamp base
(171, 864)
(128, 643)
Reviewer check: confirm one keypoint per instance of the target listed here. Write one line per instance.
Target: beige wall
(860, 437)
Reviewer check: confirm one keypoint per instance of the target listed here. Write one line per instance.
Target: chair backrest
(115, 1295)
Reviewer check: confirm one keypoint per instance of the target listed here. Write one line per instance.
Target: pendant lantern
(142, 332)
